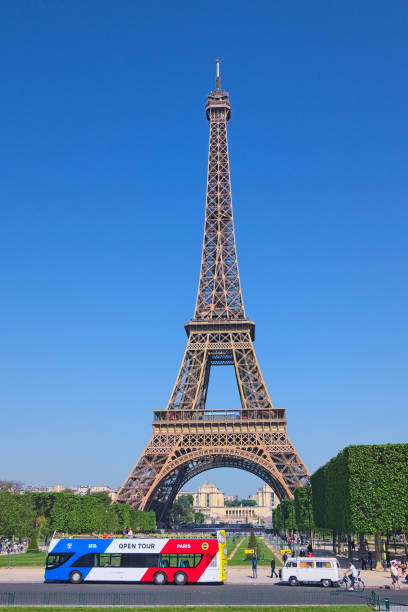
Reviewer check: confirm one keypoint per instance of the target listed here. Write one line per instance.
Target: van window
(308, 564)
(323, 564)
(291, 564)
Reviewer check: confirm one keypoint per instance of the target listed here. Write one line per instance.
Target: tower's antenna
(218, 78)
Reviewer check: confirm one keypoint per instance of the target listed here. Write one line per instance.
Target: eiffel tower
(188, 439)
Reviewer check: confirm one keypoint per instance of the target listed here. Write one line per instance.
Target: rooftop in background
(81, 490)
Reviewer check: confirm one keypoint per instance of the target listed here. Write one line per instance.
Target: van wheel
(326, 583)
(293, 581)
(180, 578)
(75, 577)
(160, 578)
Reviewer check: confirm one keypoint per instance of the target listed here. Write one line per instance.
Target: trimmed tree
(364, 489)
(304, 509)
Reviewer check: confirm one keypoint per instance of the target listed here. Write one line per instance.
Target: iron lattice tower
(188, 439)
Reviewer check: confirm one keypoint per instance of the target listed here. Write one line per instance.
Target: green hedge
(364, 489)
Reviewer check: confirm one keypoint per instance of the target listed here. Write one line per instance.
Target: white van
(302, 570)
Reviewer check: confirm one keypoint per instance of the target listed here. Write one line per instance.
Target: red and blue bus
(162, 560)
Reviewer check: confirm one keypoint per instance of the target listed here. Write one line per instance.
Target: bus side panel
(63, 572)
(212, 571)
(193, 574)
(115, 574)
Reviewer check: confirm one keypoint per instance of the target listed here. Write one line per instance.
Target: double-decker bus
(162, 559)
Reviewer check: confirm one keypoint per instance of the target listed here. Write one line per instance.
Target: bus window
(139, 560)
(115, 560)
(56, 560)
(169, 560)
(184, 560)
(151, 561)
(104, 560)
(306, 564)
(89, 560)
(196, 560)
(323, 564)
(180, 560)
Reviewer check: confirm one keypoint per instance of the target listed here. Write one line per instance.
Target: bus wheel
(326, 582)
(180, 578)
(75, 577)
(293, 581)
(160, 578)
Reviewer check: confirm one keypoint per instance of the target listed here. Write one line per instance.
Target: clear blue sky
(102, 185)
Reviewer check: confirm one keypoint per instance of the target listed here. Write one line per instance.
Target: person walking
(370, 560)
(273, 568)
(395, 575)
(254, 567)
(284, 558)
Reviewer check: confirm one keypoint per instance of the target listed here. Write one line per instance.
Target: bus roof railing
(101, 536)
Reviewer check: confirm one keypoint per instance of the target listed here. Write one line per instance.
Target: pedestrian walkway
(236, 575)
(235, 549)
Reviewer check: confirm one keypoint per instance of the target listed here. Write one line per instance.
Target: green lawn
(268, 554)
(231, 544)
(238, 558)
(199, 609)
(22, 559)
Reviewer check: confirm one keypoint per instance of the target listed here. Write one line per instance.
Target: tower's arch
(162, 495)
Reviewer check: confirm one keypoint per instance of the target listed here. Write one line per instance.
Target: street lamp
(309, 503)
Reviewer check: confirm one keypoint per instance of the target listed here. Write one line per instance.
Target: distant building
(52, 489)
(104, 489)
(81, 490)
(209, 500)
(85, 489)
(37, 489)
(265, 497)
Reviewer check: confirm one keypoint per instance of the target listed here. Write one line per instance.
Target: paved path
(237, 575)
(150, 595)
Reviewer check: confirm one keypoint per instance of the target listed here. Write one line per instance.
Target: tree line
(182, 511)
(40, 514)
(363, 490)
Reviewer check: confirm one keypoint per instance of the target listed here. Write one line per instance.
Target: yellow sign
(261, 537)
(286, 551)
(204, 545)
(249, 551)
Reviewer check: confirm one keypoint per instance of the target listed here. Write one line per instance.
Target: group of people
(304, 552)
(395, 573)
(7, 546)
(128, 532)
(366, 560)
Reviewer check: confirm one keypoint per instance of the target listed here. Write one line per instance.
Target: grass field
(198, 609)
(238, 558)
(22, 559)
(231, 544)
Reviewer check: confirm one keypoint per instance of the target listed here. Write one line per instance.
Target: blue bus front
(63, 555)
